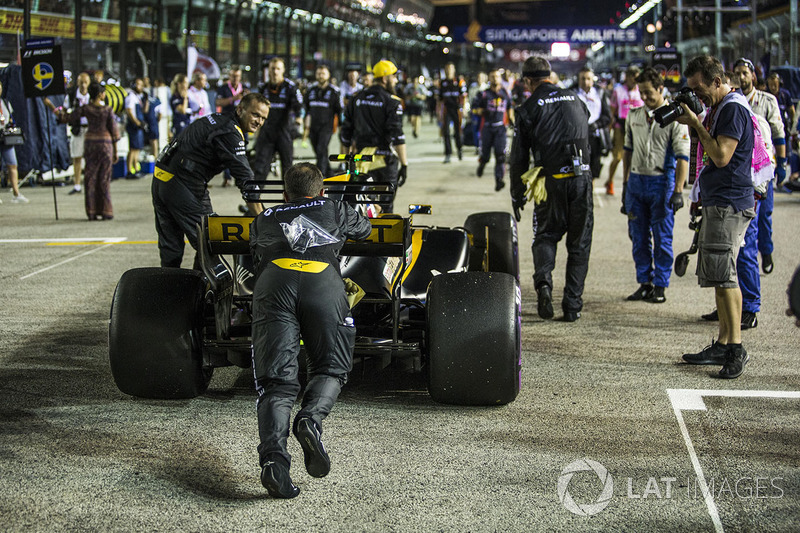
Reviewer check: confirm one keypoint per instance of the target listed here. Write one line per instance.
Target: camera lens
(667, 114)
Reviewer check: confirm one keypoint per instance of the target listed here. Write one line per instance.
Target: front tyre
(474, 338)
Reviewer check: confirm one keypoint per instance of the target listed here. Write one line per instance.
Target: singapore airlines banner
(546, 35)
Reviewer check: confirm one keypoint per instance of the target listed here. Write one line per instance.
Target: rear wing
(390, 236)
(352, 186)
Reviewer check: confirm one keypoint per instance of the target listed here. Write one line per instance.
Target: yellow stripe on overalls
(163, 175)
(288, 263)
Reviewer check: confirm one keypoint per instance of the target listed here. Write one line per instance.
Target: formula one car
(447, 297)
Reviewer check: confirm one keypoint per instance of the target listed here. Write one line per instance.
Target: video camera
(667, 114)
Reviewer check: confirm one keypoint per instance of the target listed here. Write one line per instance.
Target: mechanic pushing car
(554, 124)
(183, 169)
(374, 119)
(299, 292)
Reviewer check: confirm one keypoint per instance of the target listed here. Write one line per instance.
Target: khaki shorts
(619, 140)
(721, 234)
(76, 143)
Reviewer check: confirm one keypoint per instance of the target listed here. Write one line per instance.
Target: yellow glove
(353, 291)
(535, 191)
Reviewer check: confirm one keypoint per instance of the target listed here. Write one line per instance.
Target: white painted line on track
(109, 241)
(692, 400)
(66, 239)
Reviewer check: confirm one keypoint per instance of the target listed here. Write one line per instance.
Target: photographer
(726, 190)
(655, 166)
(8, 154)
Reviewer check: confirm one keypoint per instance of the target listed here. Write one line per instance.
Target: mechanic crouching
(554, 124)
(299, 292)
(205, 148)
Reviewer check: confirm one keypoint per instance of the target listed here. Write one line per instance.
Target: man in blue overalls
(655, 166)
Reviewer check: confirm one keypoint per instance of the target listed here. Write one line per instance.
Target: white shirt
(132, 100)
(200, 99)
(594, 102)
(81, 100)
(347, 90)
(765, 105)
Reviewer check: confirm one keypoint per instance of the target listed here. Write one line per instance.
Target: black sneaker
(713, 316)
(318, 464)
(544, 304)
(749, 320)
(766, 263)
(460, 154)
(498, 185)
(713, 354)
(657, 296)
(571, 316)
(736, 359)
(75, 191)
(481, 166)
(275, 478)
(644, 292)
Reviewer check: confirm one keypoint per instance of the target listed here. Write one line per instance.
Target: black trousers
(320, 139)
(494, 138)
(288, 304)
(178, 212)
(451, 115)
(596, 149)
(267, 143)
(568, 209)
(387, 173)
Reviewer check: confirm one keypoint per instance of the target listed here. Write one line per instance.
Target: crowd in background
(155, 112)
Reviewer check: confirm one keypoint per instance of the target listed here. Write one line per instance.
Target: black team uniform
(374, 117)
(323, 106)
(494, 119)
(276, 134)
(300, 293)
(180, 193)
(553, 125)
(452, 94)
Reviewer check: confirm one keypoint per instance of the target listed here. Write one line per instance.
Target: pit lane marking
(104, 241)
(692, 400)
(82, 240)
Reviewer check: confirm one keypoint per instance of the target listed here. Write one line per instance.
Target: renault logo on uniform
(603, 499)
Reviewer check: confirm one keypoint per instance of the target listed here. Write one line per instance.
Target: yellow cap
(383, 68)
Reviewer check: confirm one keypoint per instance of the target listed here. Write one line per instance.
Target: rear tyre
(473, 339)
(155, 333)
(502, 246)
